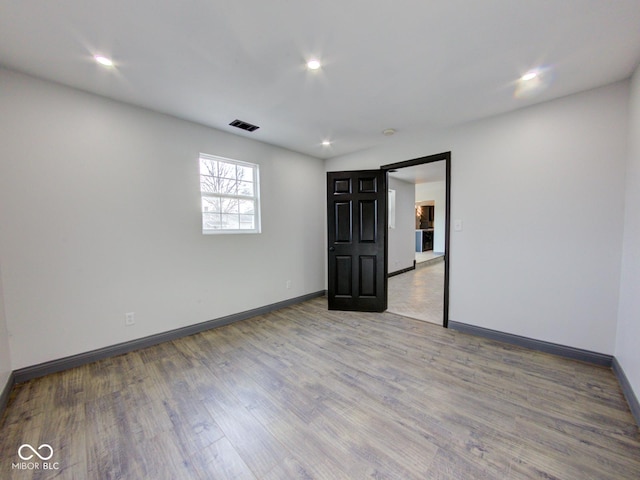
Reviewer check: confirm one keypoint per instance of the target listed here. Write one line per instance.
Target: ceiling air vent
(244, 125)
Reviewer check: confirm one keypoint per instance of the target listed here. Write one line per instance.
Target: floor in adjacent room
(422, 257)
(307, 393)
(419, 293)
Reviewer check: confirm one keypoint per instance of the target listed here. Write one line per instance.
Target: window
(230, 195)
(392, 208)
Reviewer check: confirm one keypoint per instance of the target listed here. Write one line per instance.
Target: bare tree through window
(229, 195)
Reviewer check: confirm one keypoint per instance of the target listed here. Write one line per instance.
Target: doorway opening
(418, 238)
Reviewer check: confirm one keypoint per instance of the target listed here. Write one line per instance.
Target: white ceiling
(411, 65)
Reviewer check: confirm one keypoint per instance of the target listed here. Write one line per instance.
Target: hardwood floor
(306, 393)
(419, 293)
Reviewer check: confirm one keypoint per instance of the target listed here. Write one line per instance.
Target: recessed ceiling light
(326, 143)
(313, 64)
(103, 60)
(534, 81)
(388, 132)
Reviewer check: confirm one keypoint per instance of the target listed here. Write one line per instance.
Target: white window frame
(392, 208)
(207, 196)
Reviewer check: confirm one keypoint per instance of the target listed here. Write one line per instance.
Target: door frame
(446, 156)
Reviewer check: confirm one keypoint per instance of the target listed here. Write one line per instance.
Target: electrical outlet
(288, 284)
(129, 319)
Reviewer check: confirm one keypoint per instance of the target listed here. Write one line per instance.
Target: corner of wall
(5, 350)
(627, 353)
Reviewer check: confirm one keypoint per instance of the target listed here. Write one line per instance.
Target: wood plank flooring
(304, 393)
(419, 293)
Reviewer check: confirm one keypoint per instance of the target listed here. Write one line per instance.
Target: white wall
(628, 338)
(100, 215)
(401, 240)
(5, 352)
(540, 192)
(436, 191)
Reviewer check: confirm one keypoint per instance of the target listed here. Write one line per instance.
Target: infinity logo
(29, 447)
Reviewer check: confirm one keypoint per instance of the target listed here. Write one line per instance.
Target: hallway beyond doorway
(427, 256)
(419, 293)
